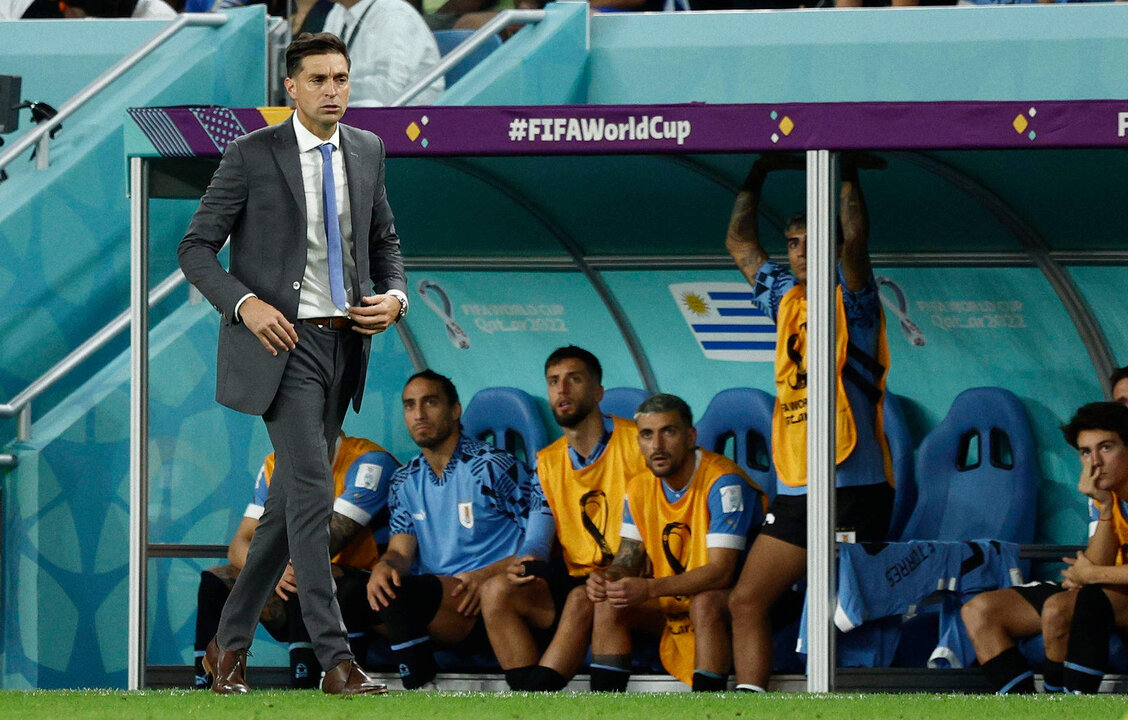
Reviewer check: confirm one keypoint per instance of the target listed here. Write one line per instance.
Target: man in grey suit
(315, 271)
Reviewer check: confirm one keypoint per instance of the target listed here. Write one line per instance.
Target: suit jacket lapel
(360, 178)
(285, 151)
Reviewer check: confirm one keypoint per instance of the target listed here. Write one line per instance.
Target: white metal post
(138, 419)
(821, 384)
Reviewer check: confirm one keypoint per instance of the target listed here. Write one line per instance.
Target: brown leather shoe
(228, 669)
(347, 678)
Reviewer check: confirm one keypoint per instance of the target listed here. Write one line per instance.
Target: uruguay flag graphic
(724, 322)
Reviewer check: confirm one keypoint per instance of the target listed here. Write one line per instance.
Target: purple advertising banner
(689, 128)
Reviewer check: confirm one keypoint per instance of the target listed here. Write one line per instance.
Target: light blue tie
(332, 226)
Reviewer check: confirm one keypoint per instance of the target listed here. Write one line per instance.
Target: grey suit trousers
(303, 422)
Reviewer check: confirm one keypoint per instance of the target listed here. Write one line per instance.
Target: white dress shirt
(391, 48)
(153, 10)
(316, 299)
(13, 9)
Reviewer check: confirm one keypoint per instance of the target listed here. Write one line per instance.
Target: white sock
(749, 687)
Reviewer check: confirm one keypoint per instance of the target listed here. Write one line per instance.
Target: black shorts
(560, 585)
(1037, 593)
(864, 510)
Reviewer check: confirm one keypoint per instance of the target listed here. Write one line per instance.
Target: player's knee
(979, 613)
(709, 608)
(496, 595)
(1057, 614)
(212, 582)
(747, 604)
(604, 615)
(578, 607)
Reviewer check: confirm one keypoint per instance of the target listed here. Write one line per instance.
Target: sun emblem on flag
(695, 303)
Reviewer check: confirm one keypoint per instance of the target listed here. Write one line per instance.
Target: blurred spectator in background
(309, 15)
(29, 10)
(390, 47)
(141, 9)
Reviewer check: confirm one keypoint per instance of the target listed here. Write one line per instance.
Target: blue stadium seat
(508, 418)
(622, 401)
(450, 39)
(901, 448)
(976, 477)
(738, 423)
(978, 472)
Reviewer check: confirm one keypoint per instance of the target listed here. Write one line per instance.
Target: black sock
(545, 679)
(705, 681)
(1009, 674)
(518, 677)
(1086, 656)
(1052, 676)
(352, 598)
(609, 679)
(305, 671)
(209, 605)
(416, 602)
(202, 680)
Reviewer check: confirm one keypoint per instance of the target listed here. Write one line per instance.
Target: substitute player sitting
(690, 514)
(1077, 626)
(583, 476)
(362, 471)
(458, 512)
(1077, 615)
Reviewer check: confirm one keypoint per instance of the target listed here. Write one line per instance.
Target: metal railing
(501, 20)
(20, 405)
(41, 134)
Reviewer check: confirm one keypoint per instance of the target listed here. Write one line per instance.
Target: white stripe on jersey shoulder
(630, 532)
(352, 512)
(725, 540)
(253, 511)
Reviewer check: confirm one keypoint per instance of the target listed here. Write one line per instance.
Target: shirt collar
(308, 141)
(578, 461)
(675, 495)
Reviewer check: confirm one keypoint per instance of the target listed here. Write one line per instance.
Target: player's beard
(576, 416)
(438, 437)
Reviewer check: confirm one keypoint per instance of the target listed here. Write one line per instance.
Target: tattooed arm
(342, 531)
(629, 561)
(852, 211)
(743, 237)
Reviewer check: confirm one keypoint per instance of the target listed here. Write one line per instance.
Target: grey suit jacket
(256, 196)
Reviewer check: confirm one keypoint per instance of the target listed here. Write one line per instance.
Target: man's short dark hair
(443, 381)
(322, 43)
(798, 221)
(663, 403)
(1117, 376)
(571, 352)
(1107, 416)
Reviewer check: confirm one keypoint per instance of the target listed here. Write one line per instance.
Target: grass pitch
(299, 704)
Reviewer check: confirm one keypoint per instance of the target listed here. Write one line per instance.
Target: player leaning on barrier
(1078, 615)
(863, 478)
(689, 516)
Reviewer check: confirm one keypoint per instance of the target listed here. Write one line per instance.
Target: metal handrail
(467, 46)
(21, 403)
(41, 133)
